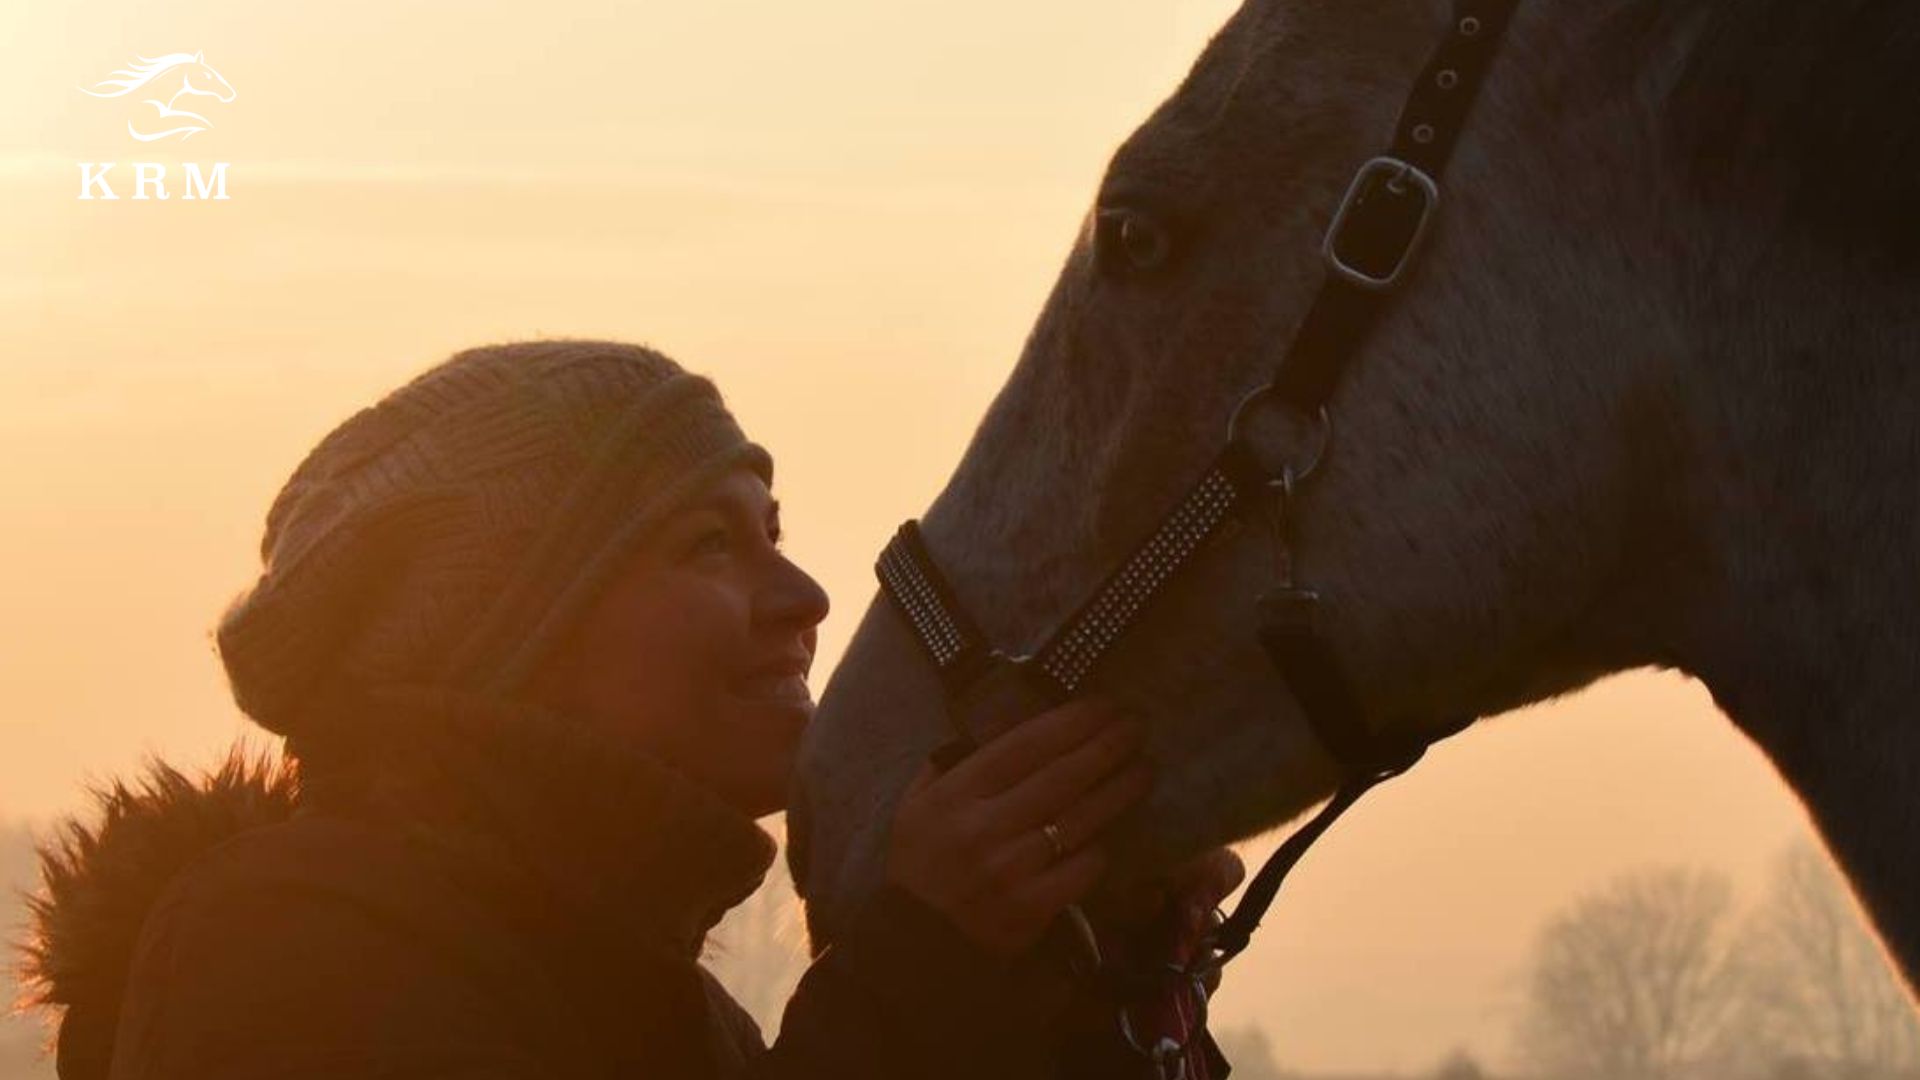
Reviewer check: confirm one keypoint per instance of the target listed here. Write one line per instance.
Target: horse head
(1525, 486)
(208, 82)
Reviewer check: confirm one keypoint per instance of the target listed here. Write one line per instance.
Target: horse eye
(1131, 241)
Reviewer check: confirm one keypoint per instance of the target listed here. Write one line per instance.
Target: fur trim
(99, 880)
(595, 848)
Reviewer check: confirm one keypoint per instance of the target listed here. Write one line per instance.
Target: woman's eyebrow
(720, 504)
(694, 509)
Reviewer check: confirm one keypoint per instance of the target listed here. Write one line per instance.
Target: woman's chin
(784, 716)
(764, 740)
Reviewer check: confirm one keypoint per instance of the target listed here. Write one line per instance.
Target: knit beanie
(449, 533)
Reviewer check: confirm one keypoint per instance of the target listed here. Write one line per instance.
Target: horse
(150, 69)
(1650, 398)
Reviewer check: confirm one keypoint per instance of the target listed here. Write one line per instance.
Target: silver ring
(1052, 833)
(1322, 433)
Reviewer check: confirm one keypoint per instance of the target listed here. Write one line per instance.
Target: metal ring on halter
(1210, 957)
(1322, 423)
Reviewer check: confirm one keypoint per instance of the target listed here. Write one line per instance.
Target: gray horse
(1650, 398)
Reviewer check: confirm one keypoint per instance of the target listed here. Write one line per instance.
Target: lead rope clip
(1170, 1059)
(1167, 1055)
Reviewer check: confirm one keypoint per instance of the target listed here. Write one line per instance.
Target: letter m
(207, 185)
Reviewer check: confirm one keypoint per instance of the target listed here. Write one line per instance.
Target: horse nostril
(1130, 241)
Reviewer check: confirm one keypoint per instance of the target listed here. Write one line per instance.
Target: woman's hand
(1197, 890)
(1180, 903)
(969, 842)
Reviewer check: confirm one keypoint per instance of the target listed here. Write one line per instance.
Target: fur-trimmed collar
(589, 838)
(99, 878)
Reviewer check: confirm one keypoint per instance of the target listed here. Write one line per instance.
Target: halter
(1368, 250)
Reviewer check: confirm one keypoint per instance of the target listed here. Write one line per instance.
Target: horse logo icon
(196, 78)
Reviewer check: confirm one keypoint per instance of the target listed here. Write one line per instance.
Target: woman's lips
(776, 689)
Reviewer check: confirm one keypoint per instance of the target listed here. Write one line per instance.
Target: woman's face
(700, 647)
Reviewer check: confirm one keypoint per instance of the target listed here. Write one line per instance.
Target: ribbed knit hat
(448, 534)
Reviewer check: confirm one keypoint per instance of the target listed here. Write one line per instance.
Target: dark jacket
(503, 895)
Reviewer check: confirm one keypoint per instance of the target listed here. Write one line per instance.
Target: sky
(848, 213)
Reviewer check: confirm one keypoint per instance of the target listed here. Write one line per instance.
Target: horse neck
(1806, 625)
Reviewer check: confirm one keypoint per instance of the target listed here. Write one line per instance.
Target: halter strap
(1368, 248)
(1070, 656)
(1384, 216)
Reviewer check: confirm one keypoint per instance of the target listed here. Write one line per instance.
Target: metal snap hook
(1277, 510)
(1286, 485)
(1167, 1054)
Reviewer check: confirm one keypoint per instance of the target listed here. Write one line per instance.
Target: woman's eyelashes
(710, 542)
(718, 539)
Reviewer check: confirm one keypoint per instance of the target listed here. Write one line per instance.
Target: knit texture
(450, 533)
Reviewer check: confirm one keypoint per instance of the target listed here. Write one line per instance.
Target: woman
(540, 663)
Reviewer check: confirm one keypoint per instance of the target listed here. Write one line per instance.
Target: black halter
(1368, 249)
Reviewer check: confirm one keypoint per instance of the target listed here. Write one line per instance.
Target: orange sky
(847, 212)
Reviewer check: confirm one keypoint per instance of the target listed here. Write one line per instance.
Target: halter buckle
(1380, 222)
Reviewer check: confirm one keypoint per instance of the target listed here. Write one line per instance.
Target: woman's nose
(796, 598)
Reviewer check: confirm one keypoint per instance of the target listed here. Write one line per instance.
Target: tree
(1249, 1052)
(1636, 981)
(1824, 992)
(1460, 1065)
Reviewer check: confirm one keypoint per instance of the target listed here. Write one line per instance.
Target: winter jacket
(502, 894)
